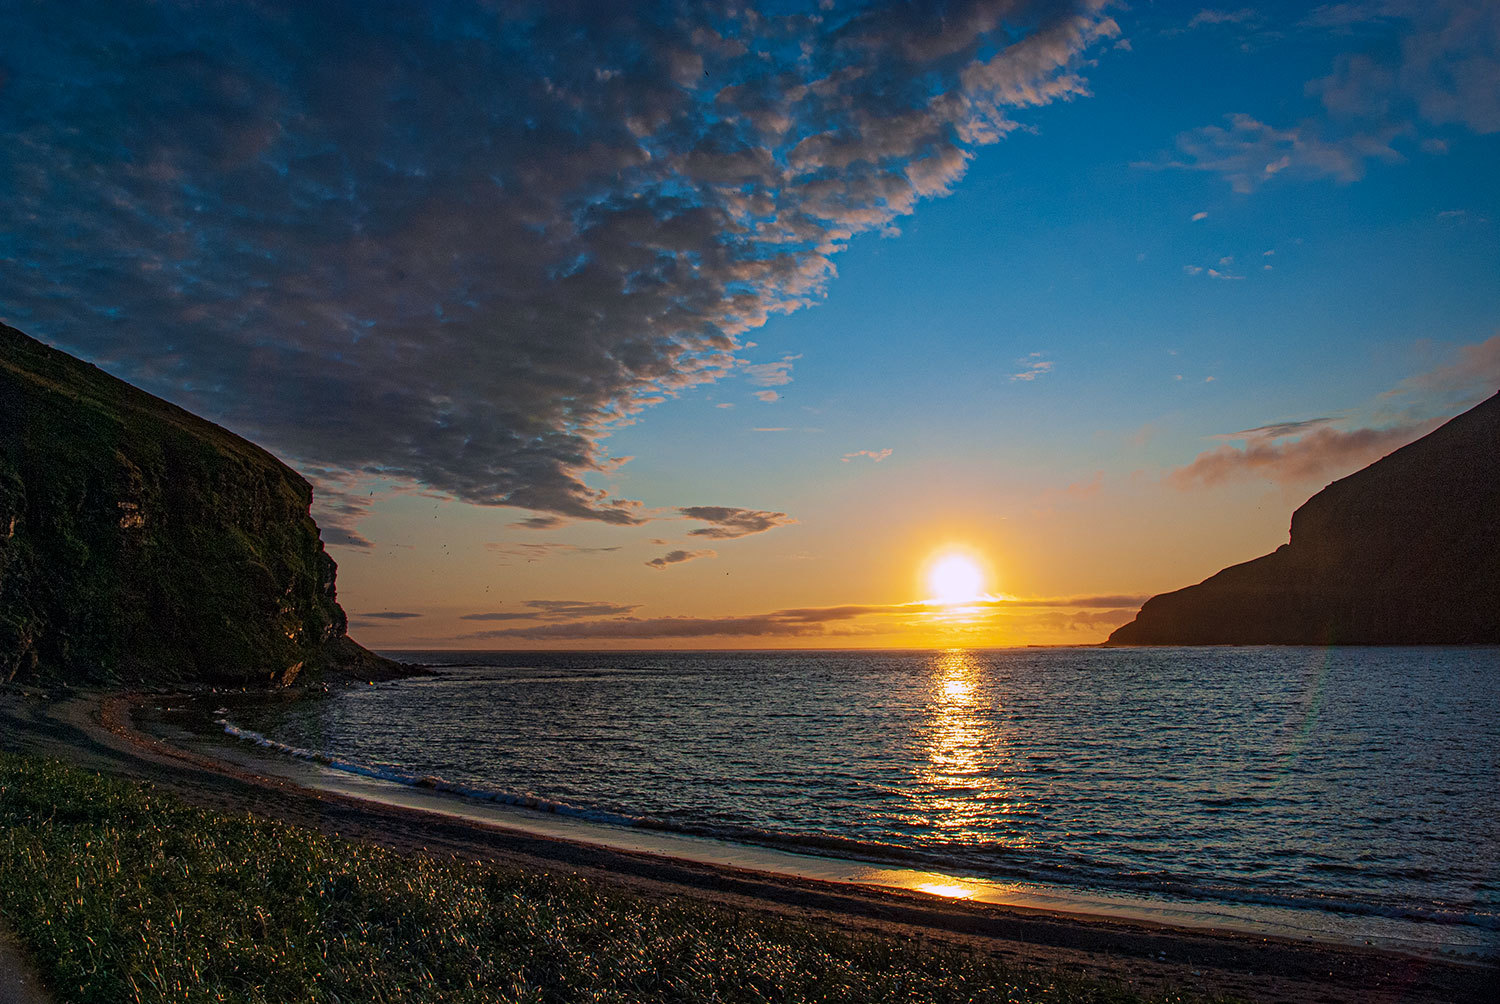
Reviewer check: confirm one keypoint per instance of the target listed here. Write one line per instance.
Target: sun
(955, 578)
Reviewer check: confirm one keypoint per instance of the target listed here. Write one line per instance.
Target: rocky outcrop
(1404, 552)
(142, 544)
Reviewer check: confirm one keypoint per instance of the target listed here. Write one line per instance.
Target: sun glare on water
(955, 579)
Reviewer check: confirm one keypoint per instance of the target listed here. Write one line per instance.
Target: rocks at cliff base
(1404, 552)
(142, 544)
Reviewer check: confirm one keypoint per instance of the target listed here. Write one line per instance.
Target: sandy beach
(95, 731)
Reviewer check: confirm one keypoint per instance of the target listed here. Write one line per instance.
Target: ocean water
(1357, 784)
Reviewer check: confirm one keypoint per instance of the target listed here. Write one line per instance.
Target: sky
(718, 325)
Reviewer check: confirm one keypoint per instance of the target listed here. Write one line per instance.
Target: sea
(1347, 794)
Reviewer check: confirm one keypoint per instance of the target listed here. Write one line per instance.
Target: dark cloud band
(458, 243)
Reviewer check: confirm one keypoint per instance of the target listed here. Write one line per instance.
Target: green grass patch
(122, 893)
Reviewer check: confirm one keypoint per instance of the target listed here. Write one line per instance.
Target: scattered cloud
(1212, 17)
(1247, 152)
(538, 551)
(1199, 216)
(1471, 377)
(338, 536)
(460, 251)
(729, 523)
(771, 428)
(767, 396)
(1220, 272)
(775, 374)
(1110, 600)
(1082, 612)
(556, 610)
(875, 455)
(1034, 366)
(341, 499)
(679, 556)
(1082, 620)
(388, 615)
(1276, 430)
(1421, 67)
(1347, 15)
(1074, 492)
(724, 404)
(1318, 455)
(538, 523)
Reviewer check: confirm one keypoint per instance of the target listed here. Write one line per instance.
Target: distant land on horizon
(1403, 552)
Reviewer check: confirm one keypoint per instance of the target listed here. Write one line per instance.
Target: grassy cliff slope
(142, 544)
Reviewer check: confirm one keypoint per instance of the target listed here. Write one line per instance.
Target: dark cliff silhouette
(142, 544)
(1404, 552)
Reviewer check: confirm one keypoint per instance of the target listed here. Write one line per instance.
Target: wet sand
(95, 731)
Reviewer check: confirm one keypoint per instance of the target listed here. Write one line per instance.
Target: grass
(122, 893)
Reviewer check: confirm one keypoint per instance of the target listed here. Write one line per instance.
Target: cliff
(142, 544)
(1404, 552)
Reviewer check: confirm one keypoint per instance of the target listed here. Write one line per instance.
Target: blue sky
(1097, 292)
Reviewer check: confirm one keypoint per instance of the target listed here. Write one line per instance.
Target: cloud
(1421, 67)
(771, 428)
(460, 249)
(338, 536)
(1248, 152)
(1471, 377)
(1034, 365)
(775, 374)
(679, 556)
(388, 615)
(1222, 272)
(556, 610)
(875, 455)
(1109, 600)
(780, 624)
(538, 551)
(1086, 620)
(1077, 491)
(1064, 612)
(1276, 430)
(538, 523)
(1316, 453)
(1444, 70)
(1199, 216)
(1211, 17)
(1346, 15)
(729, 523)
(767, 396)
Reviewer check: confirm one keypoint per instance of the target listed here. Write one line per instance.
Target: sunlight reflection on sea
(1359, 782)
